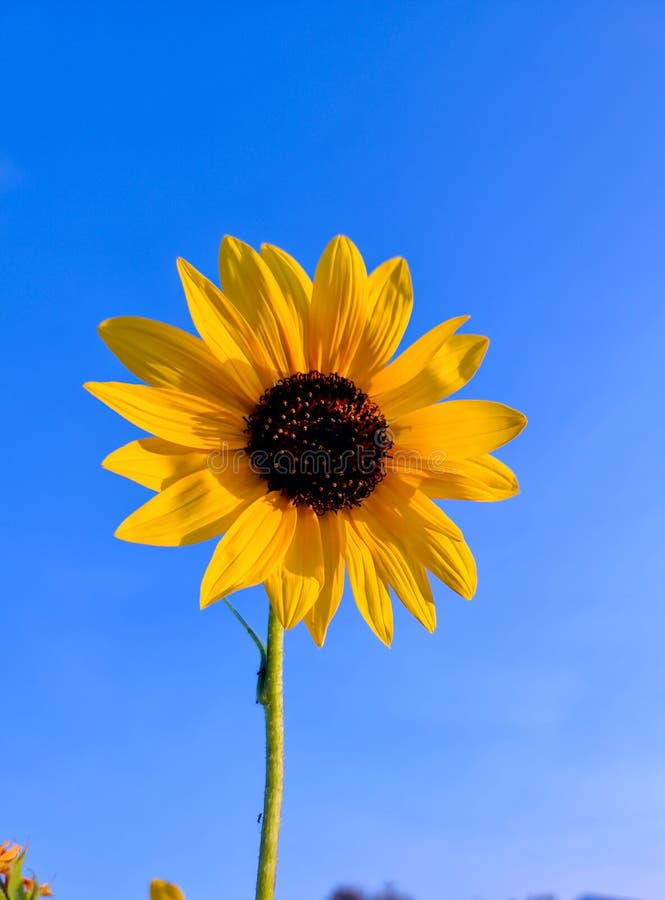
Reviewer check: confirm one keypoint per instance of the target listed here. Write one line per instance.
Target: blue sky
(513, 153)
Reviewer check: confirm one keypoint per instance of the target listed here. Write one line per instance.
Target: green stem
(260, 684)
(272, 698)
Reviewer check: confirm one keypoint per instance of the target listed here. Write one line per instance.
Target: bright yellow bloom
(287, 429)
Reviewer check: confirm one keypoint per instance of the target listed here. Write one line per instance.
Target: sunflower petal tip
(342, 239)
(207, 597)
(228, 242)
(127, 532)
(317, 634)
(108, 460)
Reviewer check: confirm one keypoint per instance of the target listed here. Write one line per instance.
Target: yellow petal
(446, 372)
(369, 590)
(339, 307)
(250, 285)
(333, 536)
(156, 463)
(425, 530)
(409, 363)
(390, 300)
(456, 429)
(396, 494)
(396, 564)
(162, 890)
(295, 284)
(252, 549)
(483, 478)
(450, 561)
(168, 357)
(197, 507)
(294, 587)
(172, 415)
(9, 853)
(249, 372)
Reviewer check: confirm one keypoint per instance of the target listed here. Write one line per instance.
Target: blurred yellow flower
(42, 891)
(162, 890)
(9, 853)
(288, 430)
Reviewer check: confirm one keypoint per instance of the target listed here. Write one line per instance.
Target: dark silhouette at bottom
(347, 893)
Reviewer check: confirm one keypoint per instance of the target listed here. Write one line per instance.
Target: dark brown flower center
(319, 440)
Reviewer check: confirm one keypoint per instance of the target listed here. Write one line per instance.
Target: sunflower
(287, 430)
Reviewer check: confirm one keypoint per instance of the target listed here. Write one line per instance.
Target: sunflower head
(289, 431)
(319, 441)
